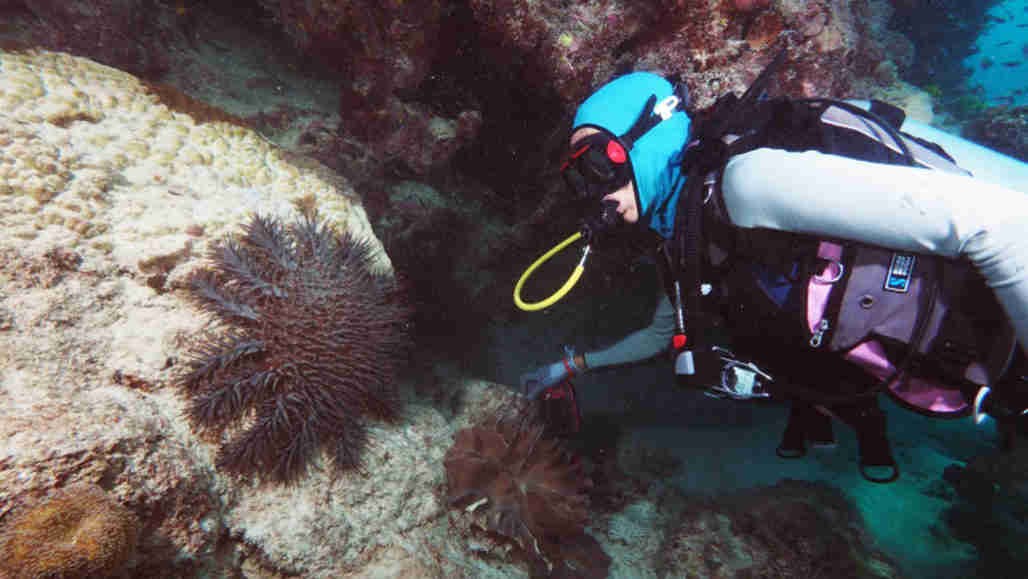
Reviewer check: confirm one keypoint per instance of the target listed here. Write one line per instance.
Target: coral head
(78, 532)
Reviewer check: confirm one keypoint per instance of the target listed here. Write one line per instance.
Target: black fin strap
(891, 113)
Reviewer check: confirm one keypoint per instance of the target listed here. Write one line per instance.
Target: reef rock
(108, 200)
(991, 507)
(381, 52)
(263, 61)
(126, 34)
(713, 45)
(792, 529)
(1003, 129)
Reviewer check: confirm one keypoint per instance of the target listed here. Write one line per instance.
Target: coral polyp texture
(78, 532)
(520, 484)
(304, 352)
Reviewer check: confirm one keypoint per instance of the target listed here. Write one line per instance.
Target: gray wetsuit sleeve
(641, 344)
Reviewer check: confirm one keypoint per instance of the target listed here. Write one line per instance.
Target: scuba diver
(850, 251)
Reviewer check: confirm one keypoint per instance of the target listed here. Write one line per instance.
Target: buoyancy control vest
(839, 320)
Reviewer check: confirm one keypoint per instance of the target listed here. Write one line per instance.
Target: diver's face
(624, 196)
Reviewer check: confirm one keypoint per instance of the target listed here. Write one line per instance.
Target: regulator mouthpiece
(596, 226)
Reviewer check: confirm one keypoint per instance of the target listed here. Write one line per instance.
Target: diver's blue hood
(656, 156)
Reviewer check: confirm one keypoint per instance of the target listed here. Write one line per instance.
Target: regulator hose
(564, 289)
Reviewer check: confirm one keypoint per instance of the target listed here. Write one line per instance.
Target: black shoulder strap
(892, 114)
(706, 152)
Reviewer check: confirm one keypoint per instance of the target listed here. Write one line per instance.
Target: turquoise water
(1000, 67)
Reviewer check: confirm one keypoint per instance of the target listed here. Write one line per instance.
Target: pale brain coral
(86, 149)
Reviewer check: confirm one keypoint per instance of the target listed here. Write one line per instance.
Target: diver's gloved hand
(535, 382)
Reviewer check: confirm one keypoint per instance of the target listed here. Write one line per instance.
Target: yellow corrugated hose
(564, 289)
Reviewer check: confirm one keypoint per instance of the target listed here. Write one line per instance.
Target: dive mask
(598, 166)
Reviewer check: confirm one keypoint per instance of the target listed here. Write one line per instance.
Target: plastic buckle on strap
(569, 357)
(831, 253)
(666, 107)
(826, 278)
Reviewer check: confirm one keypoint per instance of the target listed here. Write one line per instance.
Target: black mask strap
(646, 121)
(650, 116)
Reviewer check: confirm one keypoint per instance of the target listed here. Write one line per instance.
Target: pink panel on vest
(818, 291)
(918, 392)
(927, 395)
(870, 355)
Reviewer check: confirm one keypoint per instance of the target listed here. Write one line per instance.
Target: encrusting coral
(308, 341)
(78, 532)
(520, 484)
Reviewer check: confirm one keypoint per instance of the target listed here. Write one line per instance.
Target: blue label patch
(901, 271)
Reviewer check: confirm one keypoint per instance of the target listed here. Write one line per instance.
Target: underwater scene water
(1002, 44)
(257, 262)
